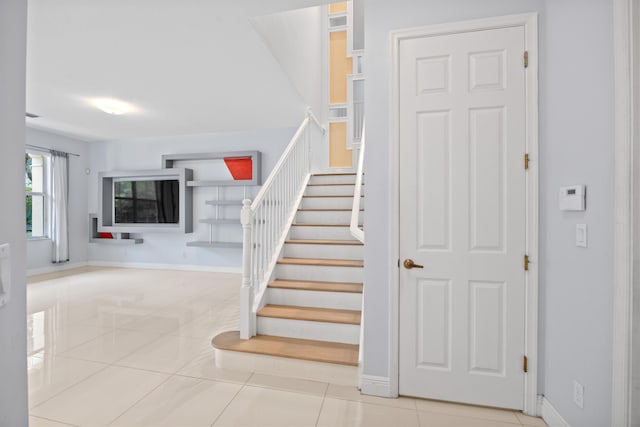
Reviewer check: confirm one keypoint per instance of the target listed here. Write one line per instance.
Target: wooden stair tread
(315, 351)
(312, 197)
(312, 314)
(324, 242)
(309, 285)
(325, 210)
(332, 185)
(334, 174)
(313, 224)
(322, 262)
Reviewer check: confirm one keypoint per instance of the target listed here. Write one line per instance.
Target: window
(35, 173)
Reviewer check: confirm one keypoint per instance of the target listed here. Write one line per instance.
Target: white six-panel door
(462, 216)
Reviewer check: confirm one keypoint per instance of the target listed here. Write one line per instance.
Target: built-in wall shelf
(228, 179)
(219, 221)
(210, 183)
(117, 241)
(242, 167)
(215, 244)
(224, 202)
(123, 239)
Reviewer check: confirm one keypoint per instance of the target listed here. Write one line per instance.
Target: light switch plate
(5, 274)
(581, 235)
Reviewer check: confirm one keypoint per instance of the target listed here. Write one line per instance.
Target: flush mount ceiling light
(112, 106)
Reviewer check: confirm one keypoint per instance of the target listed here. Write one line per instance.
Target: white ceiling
(188, 66)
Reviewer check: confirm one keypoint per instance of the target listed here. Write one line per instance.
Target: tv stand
(117, 239)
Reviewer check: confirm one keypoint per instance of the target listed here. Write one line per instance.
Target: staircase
(312, 307)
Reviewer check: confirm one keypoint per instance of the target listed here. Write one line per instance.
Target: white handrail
(315, 120)
(266, 186)
(354, 227)
(358, 233)
(266, 221)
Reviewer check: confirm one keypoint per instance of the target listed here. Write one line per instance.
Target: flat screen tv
(146, 201)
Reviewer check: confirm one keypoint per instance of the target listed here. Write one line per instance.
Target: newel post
(246, 290)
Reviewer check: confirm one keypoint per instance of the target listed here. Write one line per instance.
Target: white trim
(139, 265)
(626, 274)
(530, 24)
(376, 386)
(174, 267)
(54, 268)
(550, 415)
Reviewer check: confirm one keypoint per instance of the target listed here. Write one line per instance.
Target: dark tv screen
(147, 202)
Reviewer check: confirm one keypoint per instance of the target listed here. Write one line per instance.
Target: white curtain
(60, 206)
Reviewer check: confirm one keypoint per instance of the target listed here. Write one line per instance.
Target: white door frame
(530, 23)
(627, 204)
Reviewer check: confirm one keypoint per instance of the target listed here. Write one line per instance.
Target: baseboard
(53, 268)
(550, 415)
(176, 267)
(376, 386)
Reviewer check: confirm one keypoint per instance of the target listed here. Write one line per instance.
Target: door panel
(434, 181)
(463, 211)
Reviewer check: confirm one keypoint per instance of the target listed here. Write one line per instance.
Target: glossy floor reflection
(126, 347)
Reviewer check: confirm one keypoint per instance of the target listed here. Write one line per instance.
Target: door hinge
(526, 160)
(524, 363)
(526, 59)
(398, 262)
(526, 263)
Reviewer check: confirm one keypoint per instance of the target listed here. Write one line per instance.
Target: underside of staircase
(313, 306)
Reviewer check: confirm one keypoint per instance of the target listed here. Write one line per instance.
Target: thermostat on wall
(573, 198)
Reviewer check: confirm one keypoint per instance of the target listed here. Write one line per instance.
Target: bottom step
(315, 351)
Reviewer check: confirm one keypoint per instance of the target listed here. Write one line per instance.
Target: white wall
(13, 344)
(295, 40)
(39, 251)
(576, 147)
(170, 248)
(358, 24)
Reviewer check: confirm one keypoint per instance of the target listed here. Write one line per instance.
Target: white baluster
(246, 290)
(265, 221)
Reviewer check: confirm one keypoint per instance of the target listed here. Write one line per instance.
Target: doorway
(466, 229)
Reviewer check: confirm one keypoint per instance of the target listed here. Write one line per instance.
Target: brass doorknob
(409, 264)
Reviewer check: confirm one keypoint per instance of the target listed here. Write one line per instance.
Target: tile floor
(123, 347)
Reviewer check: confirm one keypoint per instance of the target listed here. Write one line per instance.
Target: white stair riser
(331, 190)
(300, 298)
(292, 250)
(333, 179)
(329, 203)
(320, 331)
(326, 217)
(320, 233)
(314, 272)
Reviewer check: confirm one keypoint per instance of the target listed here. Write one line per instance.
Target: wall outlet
(578, 394)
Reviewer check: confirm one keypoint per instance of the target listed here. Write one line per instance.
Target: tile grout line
(141, 398)
(82, 343)
(55, 421)
(324, 397)
(107, 366)
(170, 376)
(415, 405)
(231, 400)
(69, 387)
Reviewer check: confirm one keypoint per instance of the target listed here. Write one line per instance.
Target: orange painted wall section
(241, 168)
(338, 7)
(340, 67)
(339, 156)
